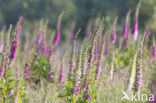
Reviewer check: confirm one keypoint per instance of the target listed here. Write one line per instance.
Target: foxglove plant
(19, 26)
(58, 35)
(125, 31)
(139, 80)
(113, 39)
(135, 26)
(72, 61)
(78, 71)
(38, 45)
(51, 53)
(45, 49)
(2, 70)
(14, 49)
(100, 58)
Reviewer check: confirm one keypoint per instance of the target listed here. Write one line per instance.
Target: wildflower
(38, 45)
(19, 26)
(125, 29)
(39, 38)
(99, 67)
(61, 75)
(113, 39)
(58, 35)
(77, 90)
(45, 50)
(139, 81)
(51, 53)
(13, 50)
(85, 85)
(2, 70)
(72, 61)
(135, 27)
(126, 25)
(148, 32)
(100, 58)
(89, 97)
(114, 36)
(57, 38)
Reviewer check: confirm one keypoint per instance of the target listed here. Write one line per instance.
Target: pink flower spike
(45, 50)
(39, 38)
(114, 36)
(125, 29)
(2, 70)
(19, 27)
(85, 86)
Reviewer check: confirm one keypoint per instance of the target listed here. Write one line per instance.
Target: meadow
(107, 65)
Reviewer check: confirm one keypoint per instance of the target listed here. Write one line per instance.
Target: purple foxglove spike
(114, 36)
(89, 97)
(49, 75)
(57, 37)
(77, 90)
(2, 70)
(19, 27)
(154, 51)
(51, 52)
(107, 48)
(61, 75)
(38, 50)
(85, 85)
(148, 32)
(135, 27)
(39, 38)
(14, 50)
(45, 49)
(125, 29)
(99, 67)
(96, 54)
(139, 81)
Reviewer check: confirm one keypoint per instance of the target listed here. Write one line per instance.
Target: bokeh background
(79, 12)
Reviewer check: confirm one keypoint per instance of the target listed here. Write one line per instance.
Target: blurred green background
(77, 11)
